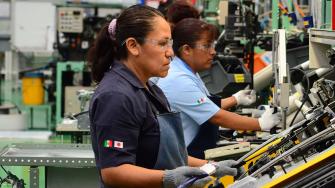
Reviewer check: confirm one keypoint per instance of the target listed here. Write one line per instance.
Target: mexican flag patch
(201, 100)
(108, 143)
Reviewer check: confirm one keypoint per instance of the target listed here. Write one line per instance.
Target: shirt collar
(183, 65)
(127, 74)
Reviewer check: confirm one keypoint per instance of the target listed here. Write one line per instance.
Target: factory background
(283, 49)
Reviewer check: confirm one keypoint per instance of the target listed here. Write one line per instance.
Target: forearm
(234, 121)
(227, 103)
(132, 176)
(195, 162)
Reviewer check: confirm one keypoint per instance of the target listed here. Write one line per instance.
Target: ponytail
(102, 55)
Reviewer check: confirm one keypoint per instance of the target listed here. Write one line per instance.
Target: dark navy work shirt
(124, 129)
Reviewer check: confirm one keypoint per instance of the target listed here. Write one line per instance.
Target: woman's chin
(163, 74)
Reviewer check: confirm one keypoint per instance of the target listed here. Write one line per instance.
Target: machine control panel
(70, 19)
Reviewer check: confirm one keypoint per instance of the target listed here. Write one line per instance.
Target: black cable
(1, 182)
(4, 170)
(12, 179)
(296, 114)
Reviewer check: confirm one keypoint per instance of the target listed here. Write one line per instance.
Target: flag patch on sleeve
(201, 100)
(118, 144)
(113, 144)
(108, 143)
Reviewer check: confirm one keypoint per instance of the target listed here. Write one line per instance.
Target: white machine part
(264, 77)
(13, 122)
(281, 70)
(282, 64)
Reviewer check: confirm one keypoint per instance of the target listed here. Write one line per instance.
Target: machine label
(239, 78)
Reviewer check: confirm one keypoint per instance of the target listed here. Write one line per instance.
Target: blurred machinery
(236, 65)
(226, 76)
(57, 52)
(77, 26)
(235, 46)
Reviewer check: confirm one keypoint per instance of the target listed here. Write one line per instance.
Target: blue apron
(172, 151)
(206, 137)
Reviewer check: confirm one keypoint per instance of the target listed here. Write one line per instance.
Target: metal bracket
(34, 177)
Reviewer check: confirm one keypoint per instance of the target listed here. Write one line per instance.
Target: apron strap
(157, 106)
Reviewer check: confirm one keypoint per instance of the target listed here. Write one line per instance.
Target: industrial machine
(302, 154)
(226, 76)
(77, 26)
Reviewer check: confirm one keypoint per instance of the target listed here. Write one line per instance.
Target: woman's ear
(132, 46)
(185, 50)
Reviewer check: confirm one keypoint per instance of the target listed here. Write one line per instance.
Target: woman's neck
(137, 71)
(188, 64)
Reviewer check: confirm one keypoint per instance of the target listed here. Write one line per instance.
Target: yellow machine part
(225, 180)
(301, 170)
(258, 154)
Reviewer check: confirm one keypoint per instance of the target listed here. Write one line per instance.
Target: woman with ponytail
(137, 140)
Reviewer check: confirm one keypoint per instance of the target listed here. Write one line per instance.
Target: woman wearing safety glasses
(202, 113)
(137, 140)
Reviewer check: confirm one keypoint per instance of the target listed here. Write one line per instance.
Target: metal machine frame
(55, 157)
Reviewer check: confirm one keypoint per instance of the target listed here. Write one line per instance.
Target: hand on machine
(245, 97)
(198, 177)
(224, 168)
(185, 176)
(270, 118)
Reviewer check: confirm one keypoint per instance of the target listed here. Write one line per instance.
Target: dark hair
(134, 21)
(189, 30)
(180, 10)
(163, 6)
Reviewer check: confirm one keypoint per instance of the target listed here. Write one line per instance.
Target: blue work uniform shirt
(124, 129)
(187, 93)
